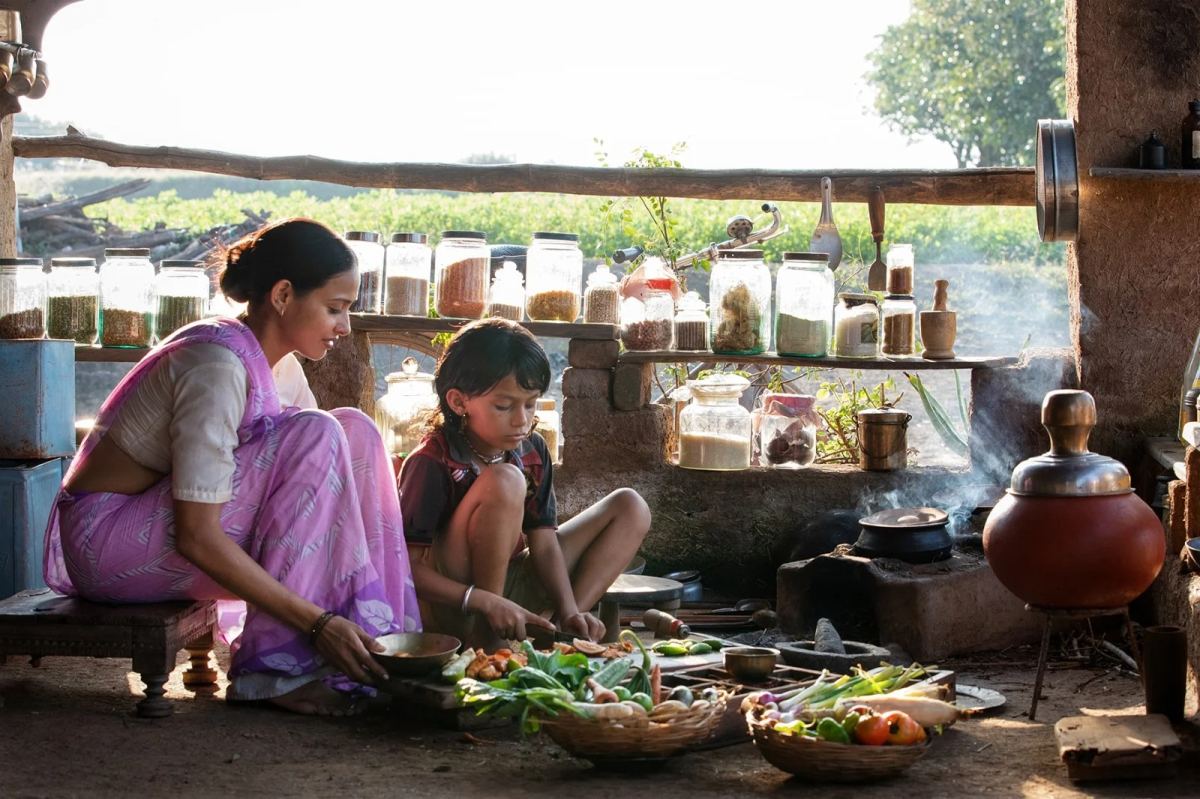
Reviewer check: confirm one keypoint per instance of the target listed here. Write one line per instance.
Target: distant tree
(488, 158)
(976, 74)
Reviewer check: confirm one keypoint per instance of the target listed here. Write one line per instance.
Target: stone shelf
(771, 359)
(1172, 175)
(376, 323)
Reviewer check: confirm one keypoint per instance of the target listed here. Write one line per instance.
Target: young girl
(477, 497)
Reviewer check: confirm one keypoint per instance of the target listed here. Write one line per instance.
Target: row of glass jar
(123, 303)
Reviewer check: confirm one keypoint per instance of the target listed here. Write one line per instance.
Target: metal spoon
(877, 275)
(825, 238)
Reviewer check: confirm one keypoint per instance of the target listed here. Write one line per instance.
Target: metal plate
(973, 699)
(1056, 180)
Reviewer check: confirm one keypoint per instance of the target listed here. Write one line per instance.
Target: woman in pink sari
(196, 484)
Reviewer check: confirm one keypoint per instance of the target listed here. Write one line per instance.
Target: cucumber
(612, 672)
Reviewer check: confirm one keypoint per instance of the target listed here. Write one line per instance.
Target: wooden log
(1177, 519)
(153, 239)
(55, 209)
(1191, 460)
(989, 186)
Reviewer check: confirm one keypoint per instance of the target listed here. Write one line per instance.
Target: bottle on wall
(1191, 137)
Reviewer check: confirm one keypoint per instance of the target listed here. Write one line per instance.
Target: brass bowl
(415, 654)
(752, 663)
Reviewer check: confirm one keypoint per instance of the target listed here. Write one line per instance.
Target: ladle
(877, 274)
(825, 238)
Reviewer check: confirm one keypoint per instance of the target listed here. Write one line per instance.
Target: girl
(477, 496)
(196, 484)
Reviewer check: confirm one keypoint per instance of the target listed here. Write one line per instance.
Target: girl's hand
(509, 620)
(582, 625)
(347, 647)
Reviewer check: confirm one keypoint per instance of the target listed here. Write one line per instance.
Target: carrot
(656, 684)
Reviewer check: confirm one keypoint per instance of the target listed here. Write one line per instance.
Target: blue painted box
(37, 399)
(27, 492)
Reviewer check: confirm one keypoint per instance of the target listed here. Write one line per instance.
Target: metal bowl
(415, 654)
(693, 591)
(1192, 545)
(751, 663)
(636, 566)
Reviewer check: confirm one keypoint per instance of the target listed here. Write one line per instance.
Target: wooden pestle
(940, 292)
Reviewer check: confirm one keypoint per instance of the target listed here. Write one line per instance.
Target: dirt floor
(66, 730)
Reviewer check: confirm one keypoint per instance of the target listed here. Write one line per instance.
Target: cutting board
(1117, 747)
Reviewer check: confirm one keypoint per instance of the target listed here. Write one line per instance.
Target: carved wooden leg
(155, 705)
(199, 673)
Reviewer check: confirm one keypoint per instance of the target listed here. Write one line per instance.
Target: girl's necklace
(487, 461)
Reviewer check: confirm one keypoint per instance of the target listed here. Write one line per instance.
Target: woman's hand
(508, 619)
(582, 625)
(347, 647)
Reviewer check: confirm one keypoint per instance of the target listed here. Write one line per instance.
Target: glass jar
(740, 303)
(73, 300)
(691, 324)
(602, 300)
(804, 298)
(548, 425)
(899, 325)
(409, 261)
(714, 430)
(647, 322)
(22, 298)
(785, 430)
(553, 274)
(462, 261)
(900, 269)
(182, 288)
(507, 297)
(856, 323)
(369, 252)
(400, 413)
(126, 298)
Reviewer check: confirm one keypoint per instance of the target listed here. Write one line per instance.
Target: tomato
(902, 730)
(871, 730)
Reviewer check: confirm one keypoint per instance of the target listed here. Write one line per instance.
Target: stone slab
(587, 383)
(631, 385)
(593, 354)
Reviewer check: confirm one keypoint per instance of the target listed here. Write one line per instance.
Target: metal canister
(882, 439)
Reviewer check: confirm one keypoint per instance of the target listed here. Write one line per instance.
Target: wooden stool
(658, 592)
(40, 622)
(1074, 613)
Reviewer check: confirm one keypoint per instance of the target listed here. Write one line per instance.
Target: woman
(195, 484)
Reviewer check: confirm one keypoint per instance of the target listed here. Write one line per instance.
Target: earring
(532, 427)
(462, 424)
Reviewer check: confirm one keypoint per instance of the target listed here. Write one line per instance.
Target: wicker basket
(637, 737)
(827, 761)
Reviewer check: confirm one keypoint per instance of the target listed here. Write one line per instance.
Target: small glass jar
(601, 299)
(553, 274)
(714, 430)
(691, 324)
(507, 297)
(126, 298)
(740, 305)
(900, 269)
(856, 326)
(400, 413)
(548, 425)
(899, 325)
(785, 430)
(462, 261)
(73, 300)
(804, 298)
(22, 298)
(647, 322)
(182, 289)
(409, 262)
(369, 252)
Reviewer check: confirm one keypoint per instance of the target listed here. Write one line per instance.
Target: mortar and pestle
(939, 327)
(827, 650)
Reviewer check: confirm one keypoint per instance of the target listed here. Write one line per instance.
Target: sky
(773, 84)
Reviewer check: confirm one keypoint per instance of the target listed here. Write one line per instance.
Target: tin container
(883, 439)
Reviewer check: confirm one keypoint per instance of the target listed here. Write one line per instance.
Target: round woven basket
(637, 737)
(827, 761)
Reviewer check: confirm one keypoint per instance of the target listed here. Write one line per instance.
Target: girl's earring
(462, 424)
(532, 427)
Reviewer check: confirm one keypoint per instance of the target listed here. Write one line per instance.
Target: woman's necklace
(486, 460)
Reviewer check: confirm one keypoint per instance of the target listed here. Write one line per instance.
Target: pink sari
(314, 503)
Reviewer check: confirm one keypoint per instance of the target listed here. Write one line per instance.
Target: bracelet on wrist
(466, 597)
(320, 625)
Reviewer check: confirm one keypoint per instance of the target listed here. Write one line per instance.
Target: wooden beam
(882, 363)
(991, 186)
(376, 323)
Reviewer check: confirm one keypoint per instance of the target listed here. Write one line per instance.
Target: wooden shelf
(771, 359)
(110, 354)
(375, 323)
(1166, 175)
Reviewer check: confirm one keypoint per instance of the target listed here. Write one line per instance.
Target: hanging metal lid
(1069, 469)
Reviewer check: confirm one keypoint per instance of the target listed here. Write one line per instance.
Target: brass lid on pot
(1069, 469)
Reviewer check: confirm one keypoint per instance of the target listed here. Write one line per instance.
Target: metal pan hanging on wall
(1056, 174)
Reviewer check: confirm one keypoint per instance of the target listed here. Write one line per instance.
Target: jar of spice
(714, 430)
(548, 425)
(22, 298)
(647, 322)
(900, 269)
(691, 324)
(856, 323)
(400, 412)
(73, 300)
(461, 264)
(899, 325)
(804, 298)
(408, 263)
(740, 307)
(601, 300)
(553, 275)
(369, 251)
(182, 289)
(126, 298)
(507, 297)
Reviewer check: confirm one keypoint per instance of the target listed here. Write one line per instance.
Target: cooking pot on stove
(915, 535)
(1070, 532)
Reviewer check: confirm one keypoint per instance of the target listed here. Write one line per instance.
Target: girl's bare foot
(318, 699)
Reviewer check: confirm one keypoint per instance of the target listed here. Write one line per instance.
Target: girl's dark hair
(482, 354)
(302, 251)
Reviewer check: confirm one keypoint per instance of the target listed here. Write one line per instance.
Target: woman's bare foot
(318, 699)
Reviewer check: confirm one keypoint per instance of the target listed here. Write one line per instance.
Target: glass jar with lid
(899, 315)
(507, 296)
(856, 326)
(409, 262)
(548, 425)
(740, 303)
(22, 298)
(553, 275)
(647, 321)
(714, 429)
(785, 430)
(73, 300)
(691, 324)
(601, 299)
(400, 413)
(182, 289)
(368, 249)
(461, 261)
(804, 299)
(126, 298)
(900, 269)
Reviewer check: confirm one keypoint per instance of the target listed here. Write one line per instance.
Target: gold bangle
(320, 625)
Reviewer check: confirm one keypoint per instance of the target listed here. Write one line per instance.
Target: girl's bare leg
(602, 540)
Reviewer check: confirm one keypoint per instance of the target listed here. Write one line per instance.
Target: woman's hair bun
(301, 251)
(235, 277)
